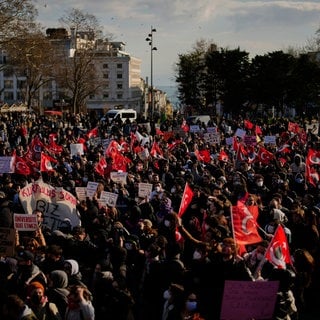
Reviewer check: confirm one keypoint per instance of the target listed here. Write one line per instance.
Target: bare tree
(31, 59)
(78, 73)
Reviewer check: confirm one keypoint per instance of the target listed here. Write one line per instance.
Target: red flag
(113, 148)
(264, 156)
(258, 130)
(242, 153)
(278, 251)
(46, 163)
(244, 224)
(93, 133)
(155, 151)
(223, 156)
(34, 149)
(248, 124)
(293, 127)
(21, 166)
(313, 158)
(205, 154)
(53, 147)
(100, 166)
(159, 132)
(186, 199)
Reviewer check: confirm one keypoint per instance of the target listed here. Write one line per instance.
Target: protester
(274, 185)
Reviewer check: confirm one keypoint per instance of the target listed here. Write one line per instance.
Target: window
(119, 86)
(105, 66)
(8, 95)
(8, 84)
(107, 85)
(20, 96)
(119, 65)
(91, 96)
(47, 95)
(106, 95)
(21, 84)
(119, 75)
(106, 76)
(119, 95)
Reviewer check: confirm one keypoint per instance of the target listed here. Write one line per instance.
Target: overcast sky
(257, 26)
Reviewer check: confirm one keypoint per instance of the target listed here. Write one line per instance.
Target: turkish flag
(46, 163)
(186, 199)
(93, 133)
(264, 156)
(100, 166)
(21, 166)
(248, 124)
(155, 151)
(278, 251)
(293, 127)
(242, 153)
(223, 156)
(53, 147)
(313, 158)
(245, 224)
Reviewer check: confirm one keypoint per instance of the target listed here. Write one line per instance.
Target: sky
(257, 27)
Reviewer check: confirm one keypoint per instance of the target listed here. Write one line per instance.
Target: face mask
(191, 305)
(260, 183)
(299, 180)
(270, 229)
(173, 190)
(157, 189)
(196, 255)
(167, 295)
(128, 246)
(250, 175)
(167, 223)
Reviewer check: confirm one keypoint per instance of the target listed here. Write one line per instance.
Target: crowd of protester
(139, 259)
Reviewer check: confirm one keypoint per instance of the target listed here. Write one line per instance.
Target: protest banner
(212, 138)
(249, 300)
(145, 189)
(229, 141)
(119, 177)
(7, 242)
(91, 188)
(6, 164)
(25, 222)
(76, 149)
(240, 133)
(250, 140)
(109, 198)
(270, 140)
(212, 130)
(58, 207)
(194, 128)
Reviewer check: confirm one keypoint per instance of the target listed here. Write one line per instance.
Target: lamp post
(152, 48)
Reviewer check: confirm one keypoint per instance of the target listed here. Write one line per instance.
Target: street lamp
(152, 48)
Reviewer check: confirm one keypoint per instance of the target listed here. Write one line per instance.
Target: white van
(122, 114)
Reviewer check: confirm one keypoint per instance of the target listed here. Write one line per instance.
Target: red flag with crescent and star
(244, 219)
(278, 251)
(46, 163)
(264, 156)
(186, 199)
(312, 175)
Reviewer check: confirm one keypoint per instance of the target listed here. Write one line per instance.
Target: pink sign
(249, 300)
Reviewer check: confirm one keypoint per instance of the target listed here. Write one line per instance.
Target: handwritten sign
(229, 141)
(212, 129)
(240, 133)
(194, 128)
(76, 149)
(6, 164)
(108, 198)
(249, 300)
(7, 242)
(145, 189)
(119, 177)
(212, 138)
(250, 140)
(81, 193)
(91, 188)
(57, 205)
(25, 222)
(270, 140)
